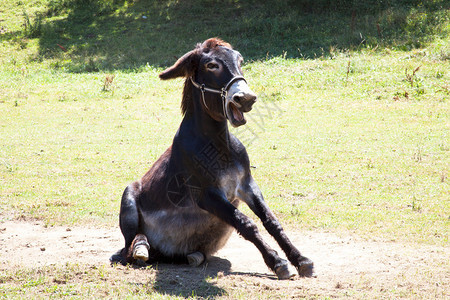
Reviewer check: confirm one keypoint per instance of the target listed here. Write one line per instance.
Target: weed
(399, 95)
(108, 85)
(443, 176)
(370, 165)
(348, 71)
(415, 205)
(32, 29)
(410, 77)
(296, 212)
(11, 168)
(445, 89)
(418, 154)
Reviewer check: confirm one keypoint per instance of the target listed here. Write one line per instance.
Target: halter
(223, 91)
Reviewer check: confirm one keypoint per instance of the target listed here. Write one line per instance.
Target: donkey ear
(184, 67)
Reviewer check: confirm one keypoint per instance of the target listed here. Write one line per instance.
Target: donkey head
(214, 68)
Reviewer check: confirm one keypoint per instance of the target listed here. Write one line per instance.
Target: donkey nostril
(237, 98)
(242, 98)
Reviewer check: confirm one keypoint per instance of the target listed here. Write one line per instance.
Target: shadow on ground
(84, 35)
(185, 281)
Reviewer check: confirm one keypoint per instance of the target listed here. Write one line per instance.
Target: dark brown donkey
(186, 206)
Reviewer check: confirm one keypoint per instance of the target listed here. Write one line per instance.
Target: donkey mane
(187, 104)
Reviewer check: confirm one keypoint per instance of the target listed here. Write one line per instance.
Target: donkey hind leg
(304, 265)
(129, 223)
(139, 248)
(216, 203)
(138, 252)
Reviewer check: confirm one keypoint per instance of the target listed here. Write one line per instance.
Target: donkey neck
(202, 124)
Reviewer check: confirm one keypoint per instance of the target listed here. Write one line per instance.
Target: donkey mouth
(235, 116)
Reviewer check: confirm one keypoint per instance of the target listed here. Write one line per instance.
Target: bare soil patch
(346, 267)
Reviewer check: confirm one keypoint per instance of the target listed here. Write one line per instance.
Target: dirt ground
(345, 267)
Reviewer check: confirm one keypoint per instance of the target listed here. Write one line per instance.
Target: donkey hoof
(140, 252)
(195, 259)
(284, 272)
(306, 268)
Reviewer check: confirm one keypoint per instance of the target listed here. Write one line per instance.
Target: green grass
(346, 153)
(59, 145)
(360, 146)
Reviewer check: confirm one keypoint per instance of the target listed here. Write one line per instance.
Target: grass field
(350, 136)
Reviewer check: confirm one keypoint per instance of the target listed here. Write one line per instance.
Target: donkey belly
(185, 230)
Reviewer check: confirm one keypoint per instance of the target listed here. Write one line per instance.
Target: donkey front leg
(254, 199)
(215, 202)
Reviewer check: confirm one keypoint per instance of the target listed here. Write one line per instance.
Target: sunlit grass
(362, 152)
(348, 152)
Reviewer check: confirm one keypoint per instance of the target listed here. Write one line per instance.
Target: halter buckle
(223, 94)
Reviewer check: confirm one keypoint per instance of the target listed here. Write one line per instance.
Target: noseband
(223, 91)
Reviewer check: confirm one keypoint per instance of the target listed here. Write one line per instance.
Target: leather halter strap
(223, 91)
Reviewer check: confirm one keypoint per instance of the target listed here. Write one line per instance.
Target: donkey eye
(240, 65)
(212, 66)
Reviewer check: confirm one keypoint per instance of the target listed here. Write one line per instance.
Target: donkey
(185, 207)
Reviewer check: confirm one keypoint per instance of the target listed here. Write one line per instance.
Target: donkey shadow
(186, 281)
